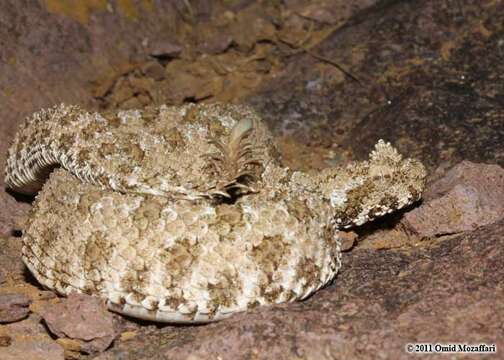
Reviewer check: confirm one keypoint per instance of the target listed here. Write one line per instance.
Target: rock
(13, 307)
(72, 347)
(9, 212)
(83, 318)
(348, 239)
(141, 84)
(154, 69)
(35, 349)
(11, 265)
(40, 299)
(127, 335)
(164, 48)
(488, 177)
(28, 339)
(5, 340)
(393, 237)
(466, 197)
(216, 44)
(319, 14)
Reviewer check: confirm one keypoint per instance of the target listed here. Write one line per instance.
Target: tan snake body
(186, 214)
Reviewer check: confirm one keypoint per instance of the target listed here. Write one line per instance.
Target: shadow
(16, 233)
(386, 222)
(24, 198)
(30, 279)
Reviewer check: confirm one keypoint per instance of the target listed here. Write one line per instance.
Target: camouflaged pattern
(137, 214)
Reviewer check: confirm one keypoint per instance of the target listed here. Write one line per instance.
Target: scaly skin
(185, 214)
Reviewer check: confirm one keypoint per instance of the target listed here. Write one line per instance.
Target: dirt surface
(330, 77)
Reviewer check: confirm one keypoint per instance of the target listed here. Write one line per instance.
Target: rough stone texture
(83, 318)
(430, 78)
(487, 178)
(13, 307)
(10, 212)
(12, 268)
(468, 196)
(28, 339)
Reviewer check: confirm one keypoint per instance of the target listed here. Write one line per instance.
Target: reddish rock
(468, 196)
(487, 177)
(11, 265)
(84, 318)
(348, 239)
(320, 14)
(154, 69)
(216, 44)
(10, 211)
(164, 48)
(5, 340)
(28, 339)
(13, 307)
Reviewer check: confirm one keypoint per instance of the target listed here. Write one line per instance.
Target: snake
(187, 214)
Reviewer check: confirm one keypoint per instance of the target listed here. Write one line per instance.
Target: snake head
(364, 191)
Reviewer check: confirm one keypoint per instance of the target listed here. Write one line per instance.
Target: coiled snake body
(186, 214)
